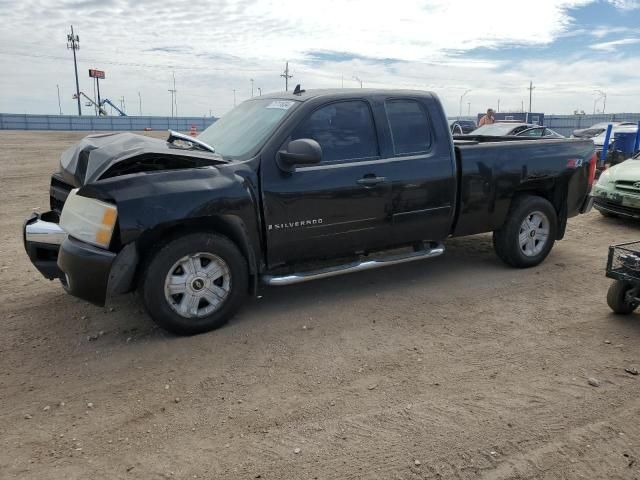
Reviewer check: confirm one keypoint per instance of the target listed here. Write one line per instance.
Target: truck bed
(493, 169)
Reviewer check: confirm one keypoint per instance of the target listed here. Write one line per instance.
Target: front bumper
(616, 208)
(42, 238)
(86, 269)
(89, 272)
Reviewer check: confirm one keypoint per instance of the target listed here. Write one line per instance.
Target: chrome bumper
(40, 231)
(42, 238)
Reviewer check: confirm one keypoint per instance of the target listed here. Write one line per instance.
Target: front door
(338, 207)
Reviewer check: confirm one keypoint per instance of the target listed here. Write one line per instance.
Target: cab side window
(344, 130)
(409, 127)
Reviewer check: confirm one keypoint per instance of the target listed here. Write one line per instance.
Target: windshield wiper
(173, 135)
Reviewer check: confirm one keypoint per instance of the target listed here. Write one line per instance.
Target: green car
(617, 193)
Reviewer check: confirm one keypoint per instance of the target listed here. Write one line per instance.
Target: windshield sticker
(281, 104)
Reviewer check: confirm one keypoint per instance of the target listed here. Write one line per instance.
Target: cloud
(614, 44)
(216, 48)
(626, 4)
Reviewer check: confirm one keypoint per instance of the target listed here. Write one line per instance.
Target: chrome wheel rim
(534, 233)
(197, 285)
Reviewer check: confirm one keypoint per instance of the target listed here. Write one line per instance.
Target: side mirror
(303, 151)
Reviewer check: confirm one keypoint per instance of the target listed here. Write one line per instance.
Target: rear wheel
(528, 235)
(621, 298)
(194, 283)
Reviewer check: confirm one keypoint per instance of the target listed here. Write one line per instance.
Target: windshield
(495, 129)
(241, 132)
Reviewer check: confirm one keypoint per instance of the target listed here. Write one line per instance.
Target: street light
(251, 87)
(358, 80)
(602, 95)
(259, 91)
(461, 99)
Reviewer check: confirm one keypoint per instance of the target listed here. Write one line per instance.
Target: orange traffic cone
(194, 131)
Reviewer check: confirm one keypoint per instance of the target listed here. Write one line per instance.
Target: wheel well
(556, 194)
(150, 241)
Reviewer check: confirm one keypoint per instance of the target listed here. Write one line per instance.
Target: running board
(357, 266)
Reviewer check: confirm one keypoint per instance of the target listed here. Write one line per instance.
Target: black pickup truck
(292, 187)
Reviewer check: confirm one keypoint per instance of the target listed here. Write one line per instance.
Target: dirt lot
(457, 367)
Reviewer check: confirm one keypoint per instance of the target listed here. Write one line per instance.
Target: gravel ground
(453, 368)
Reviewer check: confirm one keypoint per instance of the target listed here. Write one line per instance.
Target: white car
(597, 129)
(599, 139)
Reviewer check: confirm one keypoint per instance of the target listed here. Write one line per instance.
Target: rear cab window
(409, 125)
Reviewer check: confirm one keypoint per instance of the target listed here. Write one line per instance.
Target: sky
(483, 52)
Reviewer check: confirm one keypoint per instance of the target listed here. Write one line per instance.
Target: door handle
(370, 181)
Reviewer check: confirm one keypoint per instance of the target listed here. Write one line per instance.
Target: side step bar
(357, 266)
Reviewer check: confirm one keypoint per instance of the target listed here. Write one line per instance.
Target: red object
(194, 131)
(147, 129)
(93, 73)
(592, 169)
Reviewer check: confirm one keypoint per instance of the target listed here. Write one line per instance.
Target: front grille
(628, 186)
(58, 192)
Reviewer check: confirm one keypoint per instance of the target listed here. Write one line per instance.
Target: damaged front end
(88, 271)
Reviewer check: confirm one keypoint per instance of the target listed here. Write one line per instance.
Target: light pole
(358, 80)
(252, 87)
(140, 103)
(602, 95)
(73, 42)
(59, 104)
(461, 99)
(468, 109)
(259, 91)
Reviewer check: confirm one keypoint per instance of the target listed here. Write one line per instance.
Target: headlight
(89, 220)
(605, 177)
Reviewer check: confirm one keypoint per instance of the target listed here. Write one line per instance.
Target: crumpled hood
(90, 158)
(629, 170)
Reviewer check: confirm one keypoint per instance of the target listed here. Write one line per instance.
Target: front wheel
(528, 234)
(621, 298)
(194, 283)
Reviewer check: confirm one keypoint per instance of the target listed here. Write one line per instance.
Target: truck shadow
(466, 260)
(469, 258)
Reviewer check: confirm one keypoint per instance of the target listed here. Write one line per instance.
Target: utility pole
(462, 98)
(73, 42)
(286, 77)
(234, 97)
(171, 91)
(140, 103)
(175, 92)
(531, 89)
(59, 104)
(251, 87)
(358, 80)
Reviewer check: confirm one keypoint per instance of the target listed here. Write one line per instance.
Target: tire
(194, 283)
(616, 298)
(523, 244)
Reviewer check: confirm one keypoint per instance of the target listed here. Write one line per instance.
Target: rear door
(340, 206)
(424, 177)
